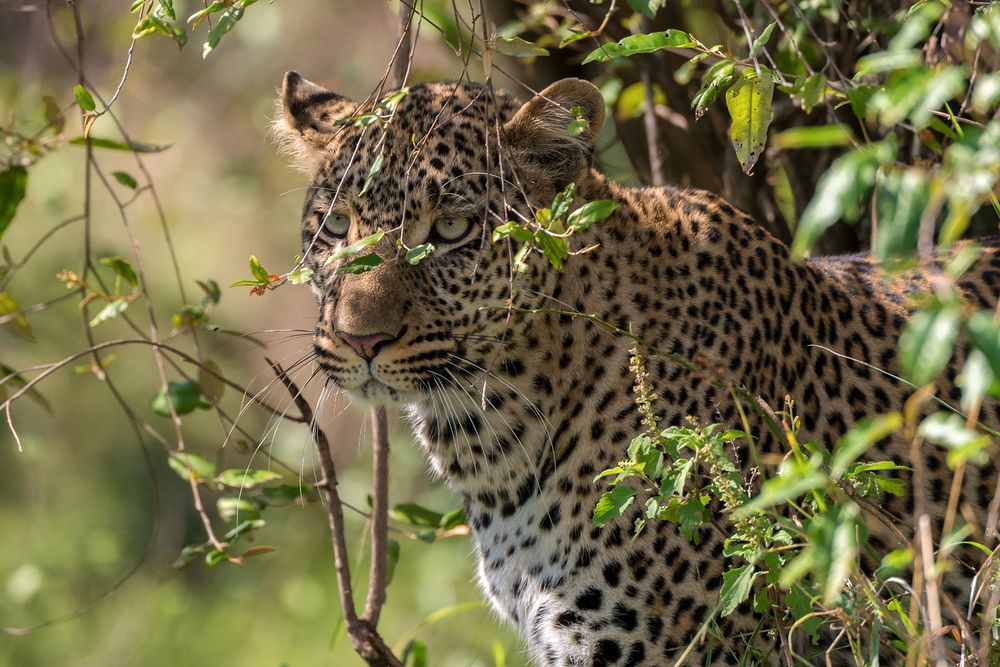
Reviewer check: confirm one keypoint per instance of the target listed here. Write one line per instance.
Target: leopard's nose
(367, 345)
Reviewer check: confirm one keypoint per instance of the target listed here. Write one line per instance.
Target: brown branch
(380, 516)
(364, 637)
(404, 51)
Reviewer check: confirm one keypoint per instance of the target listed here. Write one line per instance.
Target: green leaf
(636, 44)
(360, 264)
(986, 94)
(415, 654)
(949, 430)
(749, 104)
(84, 98)
(214, 557)
(240, 478)
(185, 465)
(13, 185)
(19, 326)
(300, 276)
(418, 253)
(416, 515)
(373, 171)
(232, 508)
(453, 519)
(762, 39)
(513, 229)
(814, 136)
(794, 480)
(356, 247)
(985, 336)
(886, 61)
(860, 438)
(188, 555)
(647, 8)
(223, 25)
(718, 77)
(125, 179)
(211, 289)
(244, 528)
(841, 192)
(131, 147)
(111, 310)
(122, 269)
(391, 559)
(612, 504)
(553, 247)
(902, 200)
(975, 379)
(258, 271)
(185, 397)
(519, 48)
(595, 211)
(927, 343)
(736, 585)
(813, 89)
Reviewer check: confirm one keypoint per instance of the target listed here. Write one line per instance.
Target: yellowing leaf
(749, 104)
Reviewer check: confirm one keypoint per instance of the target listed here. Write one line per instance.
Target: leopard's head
(439, 166)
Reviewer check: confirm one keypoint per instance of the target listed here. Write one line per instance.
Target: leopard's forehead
(435, 140)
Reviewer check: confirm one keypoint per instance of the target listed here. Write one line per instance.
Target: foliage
(881, 115)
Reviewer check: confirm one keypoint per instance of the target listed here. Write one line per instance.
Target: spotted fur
(518, 412)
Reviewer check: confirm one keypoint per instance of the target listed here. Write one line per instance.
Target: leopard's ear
(307, 118)
(546, 141)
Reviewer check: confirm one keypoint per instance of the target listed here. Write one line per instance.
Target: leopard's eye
(451, 229)
(335, 224)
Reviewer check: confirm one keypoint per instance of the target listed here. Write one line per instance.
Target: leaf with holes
(636, 44)
(749, 104)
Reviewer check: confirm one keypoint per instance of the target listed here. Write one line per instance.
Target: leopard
(514, 375)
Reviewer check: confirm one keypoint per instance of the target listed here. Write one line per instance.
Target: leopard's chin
(377, 392)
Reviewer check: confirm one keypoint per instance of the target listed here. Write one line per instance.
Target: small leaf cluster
(159, 17)
(549, 231)
(245, 495)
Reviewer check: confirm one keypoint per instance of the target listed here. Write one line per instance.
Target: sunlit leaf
(185, 465)
(417, 254)
(612, 504)
(861, 437)
(637, 44)
(132, 147)
(927, 342)
(519, 48)
(360, 264)
(240, 478)
(84, 98)
(813, 136)
(902, 200)
(841, 191)
(111, 310)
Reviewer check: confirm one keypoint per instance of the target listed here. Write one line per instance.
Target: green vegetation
(145, 431)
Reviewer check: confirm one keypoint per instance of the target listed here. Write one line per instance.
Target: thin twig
(364, 637)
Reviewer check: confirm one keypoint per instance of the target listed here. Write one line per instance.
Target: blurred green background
(78, 507)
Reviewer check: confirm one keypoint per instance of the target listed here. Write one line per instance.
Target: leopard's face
(424, 306)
